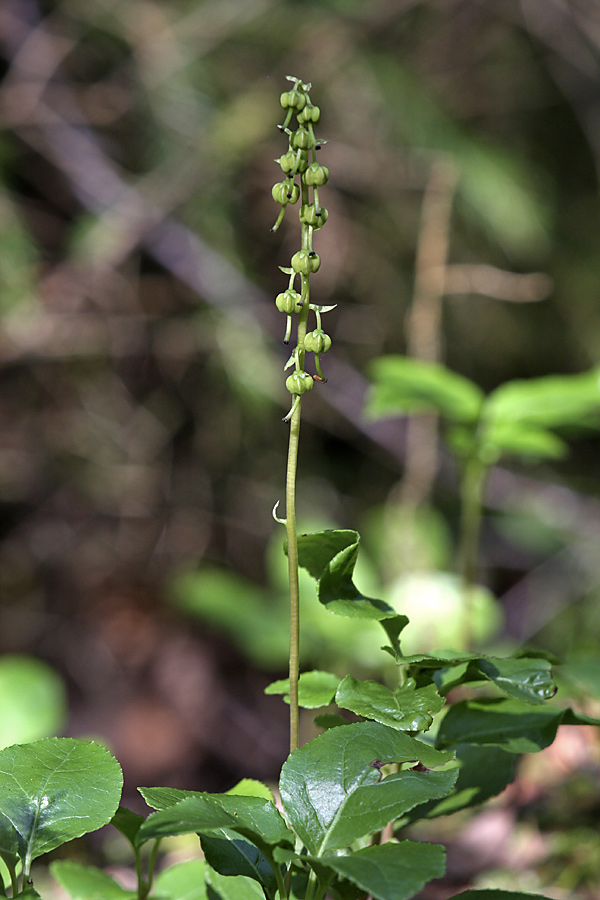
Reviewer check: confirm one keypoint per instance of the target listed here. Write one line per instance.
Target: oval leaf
(87, 882)
(315, 689)
(551, 402)
(333, 792)
(409, 708)
(229, 855)
(184, 881)
(55, 790)
(497, 895)
(391, 871)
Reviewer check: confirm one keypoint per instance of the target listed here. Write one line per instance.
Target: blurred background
(142, 582)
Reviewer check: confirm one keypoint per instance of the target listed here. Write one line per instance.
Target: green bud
(317, 341)
(309, 114)
(310, 215)
(301, 139)
(285, 192)
(316, 175)
(288, 302)
(293, 100)
(305, 262)
(299, 383)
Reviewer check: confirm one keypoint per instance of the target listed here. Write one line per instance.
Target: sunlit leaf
(55, 790)
(32, 700)
(408, 708)
(315, 689)
(183, 881)
(332, 790)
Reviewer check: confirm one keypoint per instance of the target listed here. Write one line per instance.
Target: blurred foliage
(141, 443)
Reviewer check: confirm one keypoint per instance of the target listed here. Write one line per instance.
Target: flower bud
(305, 262)
(299, 383)
(310, 215)
(288, 302)
(302, 139)
(293, 100)
(285, 192)
(317, 341)
(309, 114)
(316, 175)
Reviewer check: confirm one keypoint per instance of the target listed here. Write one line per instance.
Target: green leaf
(391, 871)
(252, 818)
(330, 720)
(332, 790)
(55, 790)
(484, 772)
(409, 708)
(229, 855)
(551, 402)
(499, 439)
(250, 787)
(32, 700)
(88, 882)
(523, 678)
(405, 386)
(330, 557)
(128, 823)
(184, 881)
(315, 689)
(162, 797)
(497, 895)
(515, 726)
(223, 887)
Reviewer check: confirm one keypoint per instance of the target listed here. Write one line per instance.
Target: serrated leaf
(315, 689)
(88, 882)
(128, 823)
(551, 402)
(184, 881)
(514, 726)
(229, 855)
(391, 871)
(408, 708)
(162, 797)
(405, 386)
(252, 818)
(330, 557)
(332, 790)
(55, 790)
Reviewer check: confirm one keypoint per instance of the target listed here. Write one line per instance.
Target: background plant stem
(471, 499)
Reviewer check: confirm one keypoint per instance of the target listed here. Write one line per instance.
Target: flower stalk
(302, 177)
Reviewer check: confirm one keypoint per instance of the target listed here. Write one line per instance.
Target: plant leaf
(517, 439)
(497, 895)
(223, 887)
(409, 708)
(184, 881)
(391, 871)
(514, 726)
(332, 790)
(523, 678)
(315, 689)
(252, 818)
(57, 789)
(330, 557)
(250, 787)
(229, 855)
(128, 823)
(32, 700)
(88, 882)
(405, 386)
(550, 402)
(483, 772)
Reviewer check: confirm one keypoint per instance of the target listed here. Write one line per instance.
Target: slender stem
(471, 500)
(292, 542)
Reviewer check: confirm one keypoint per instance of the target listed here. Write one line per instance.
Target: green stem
(468, 551)
(292, 543)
